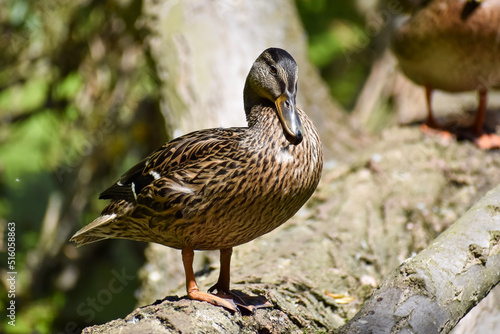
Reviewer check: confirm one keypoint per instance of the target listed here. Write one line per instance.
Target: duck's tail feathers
(94, 231)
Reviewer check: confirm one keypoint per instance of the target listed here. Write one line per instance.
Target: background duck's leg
(483, 140)
(431, 126)
(192, 287)
(431, 121)
(481, 112)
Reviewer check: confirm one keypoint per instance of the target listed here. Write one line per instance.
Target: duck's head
(273, 77)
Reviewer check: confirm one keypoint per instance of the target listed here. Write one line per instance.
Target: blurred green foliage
(71, 74)
(339, 44)
(79, 102)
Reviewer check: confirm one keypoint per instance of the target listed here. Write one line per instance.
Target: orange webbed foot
(437, 131)
(252, 303)
(247, 303)
(487, 141)
(225, 301)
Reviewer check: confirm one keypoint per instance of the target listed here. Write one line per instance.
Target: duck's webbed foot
(217, 300)
(487, 141)
(244, 303)
(437, 131)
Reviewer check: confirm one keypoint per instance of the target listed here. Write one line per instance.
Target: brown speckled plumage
(219, 188)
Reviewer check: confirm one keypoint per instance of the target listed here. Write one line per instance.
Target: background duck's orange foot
(487, 141)
(437, 132)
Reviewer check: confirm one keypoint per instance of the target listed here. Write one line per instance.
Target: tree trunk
(382, 198)
(204, 50)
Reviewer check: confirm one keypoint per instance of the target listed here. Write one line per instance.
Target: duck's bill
(287, 113)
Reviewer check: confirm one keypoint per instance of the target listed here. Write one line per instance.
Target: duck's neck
(254, 104)
(263, 122)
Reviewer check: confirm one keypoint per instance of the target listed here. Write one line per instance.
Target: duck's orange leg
(249, 303)
(431, 121)
(484, 141)
(192, 287)
(222, 285)
(432, 127)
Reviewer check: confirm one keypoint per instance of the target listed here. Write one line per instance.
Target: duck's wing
(161, 181)
(194, 148)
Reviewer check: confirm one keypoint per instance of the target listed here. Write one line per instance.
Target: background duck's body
(219, 188)
(452, 45)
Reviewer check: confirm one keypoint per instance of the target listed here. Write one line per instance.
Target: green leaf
(68, 87)
(18, 98)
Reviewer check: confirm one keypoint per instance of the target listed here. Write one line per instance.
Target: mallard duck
(215, 189)
(453, 45)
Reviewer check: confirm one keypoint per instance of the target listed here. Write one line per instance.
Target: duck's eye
(274, 70)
